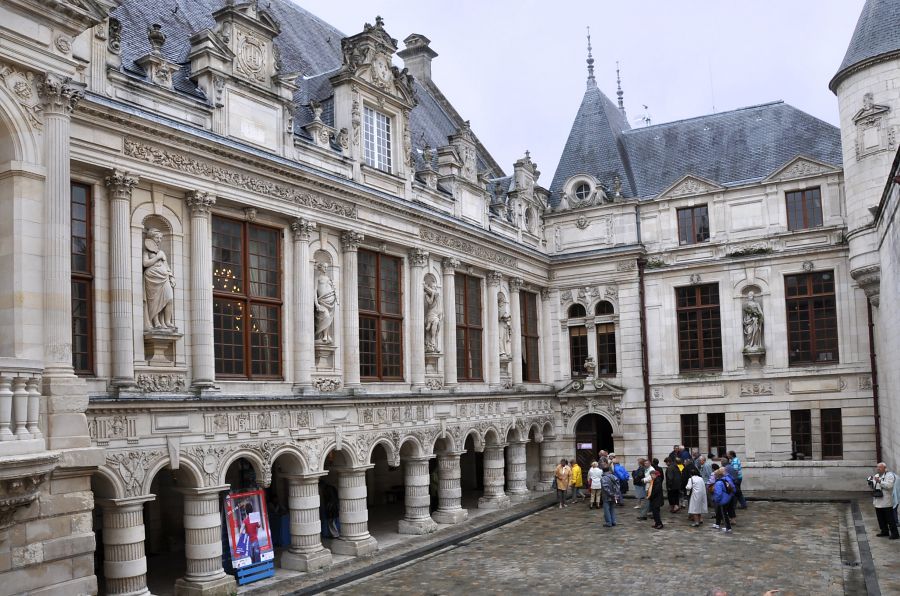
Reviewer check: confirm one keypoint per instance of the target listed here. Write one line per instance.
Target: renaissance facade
(244, 249)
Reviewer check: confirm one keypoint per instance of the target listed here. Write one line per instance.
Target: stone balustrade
(20, 407)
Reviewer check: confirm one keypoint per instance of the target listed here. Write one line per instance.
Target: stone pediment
(589, 387)
(690, 185)
(869, 110)
(367, 56)
(586, 396)
(801, 167)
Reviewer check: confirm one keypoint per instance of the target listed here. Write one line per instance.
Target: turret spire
(619, 93)
(590, 61)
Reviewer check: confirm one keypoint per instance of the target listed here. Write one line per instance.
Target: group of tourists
(689, 481)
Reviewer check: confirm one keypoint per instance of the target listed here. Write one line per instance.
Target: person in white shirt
(882, 484)
(594, 476)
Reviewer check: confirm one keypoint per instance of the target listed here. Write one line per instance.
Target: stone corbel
(869, 280)
(21, 478)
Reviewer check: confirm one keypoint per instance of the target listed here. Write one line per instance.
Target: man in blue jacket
(738, 478)
(723, 491)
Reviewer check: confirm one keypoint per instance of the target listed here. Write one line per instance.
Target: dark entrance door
(592, 433)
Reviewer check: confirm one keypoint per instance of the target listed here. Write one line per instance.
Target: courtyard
(798, 548)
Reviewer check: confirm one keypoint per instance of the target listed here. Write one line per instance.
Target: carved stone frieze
(326, 384)
(690, 186)
(22, 86)
(756, 388)
(188, 164)
(466, 247)
(132, 466)
(161, 383)
(107, 428)
(210, 458)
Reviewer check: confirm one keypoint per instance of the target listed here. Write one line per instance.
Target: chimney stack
(417, 56)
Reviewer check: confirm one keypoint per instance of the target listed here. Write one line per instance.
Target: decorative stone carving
(159, 283)
(325, 303)
(505, 326)
(466, 247)
(753, 325)
(434, 315)
(188, 164)
(590, 367)
(350, 240)
(802, 168)
(22, 85)
(169, 383)
(326, 384)
(755, 388)
(865, 383)
(869, 279)
(695, 279)
(494, 278)
(21, 479)
(626, 265)
(210, 457)
(808, 266)
(114, 37)
(132, 466)
(690, 185)
(755, 248)
(582, 222)
(434, 384)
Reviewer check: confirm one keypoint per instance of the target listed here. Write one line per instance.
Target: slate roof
(877, 33)
(307, 45)
(735, 147)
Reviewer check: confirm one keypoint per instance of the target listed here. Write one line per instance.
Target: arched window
(582, 191)
(577, 311)
(604, 308)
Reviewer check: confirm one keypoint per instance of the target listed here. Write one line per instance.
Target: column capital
(59, 94)
(350, 240)
(515, 284)
(418, 257)
(120, 184)
(200, 202)
(545, 294)
(126, 502)
(302, 228)
(450, 454)
(204, 492)
(418, 458)
(305, 478)
(449, 265)
(590, 325)
(494, 278)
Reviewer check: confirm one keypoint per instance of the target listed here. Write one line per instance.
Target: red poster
(248, 528)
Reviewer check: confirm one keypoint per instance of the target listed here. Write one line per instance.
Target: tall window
(82, 280)
(832, 434)
(693, 224)
(715, 426)
(377, 139)
(531, 367)
(699, 328)
(801, 434)
(578, 349)
(804, 209)
(690, 430)
(606, 350)
(811, 318)
(246, 299)
(380, 317)
(468, 328)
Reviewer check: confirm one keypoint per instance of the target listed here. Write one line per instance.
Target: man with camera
(882, 484)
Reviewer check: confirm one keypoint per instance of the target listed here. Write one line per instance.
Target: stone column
(548, 463)
(547, 373)
(59, 95)
(494, 481)
(306, 552)
(355, 539)
(591, 340)
(565, 358)
(448, 266)
(350, 312)
(515, 470)
(493, 328)
(119, 185)
(203, 364)
(417, 518)
(203, 544)
(418, 260)
(304, 321)
(515, 313)
(124, 564)
(449, 509)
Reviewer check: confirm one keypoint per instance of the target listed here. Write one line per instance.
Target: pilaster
(304, 322)
(203, 365)
(350, 312)
(547, 370)
(493, 328)
(448, 267)
(515, 312)
(418, 260)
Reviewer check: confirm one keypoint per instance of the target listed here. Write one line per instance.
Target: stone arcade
(237, 252)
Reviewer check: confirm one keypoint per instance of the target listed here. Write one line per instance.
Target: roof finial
(619, 93)
(590, 60)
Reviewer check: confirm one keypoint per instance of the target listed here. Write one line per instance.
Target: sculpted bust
(325, 303)
(159, 283)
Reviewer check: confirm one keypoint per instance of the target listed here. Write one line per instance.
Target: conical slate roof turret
(876, 37)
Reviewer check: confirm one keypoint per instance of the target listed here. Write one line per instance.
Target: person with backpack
(622, 475)
(611, 496)
(673, 485)
(637, 479)
(738, 479)
(722, 491)
(655, 497)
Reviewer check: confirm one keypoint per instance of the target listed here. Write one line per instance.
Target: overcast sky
(517, 69)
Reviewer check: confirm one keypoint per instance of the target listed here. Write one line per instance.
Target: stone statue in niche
(159, 283)
(434, 315)
(753, 325)
(505, 326)
(325, 304)
(590, 367)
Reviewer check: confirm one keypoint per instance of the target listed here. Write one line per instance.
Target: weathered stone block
(30, 554)
(68, 546)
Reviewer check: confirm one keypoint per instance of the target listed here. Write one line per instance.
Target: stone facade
(156, 427)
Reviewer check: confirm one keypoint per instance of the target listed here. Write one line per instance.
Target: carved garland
(466, 247)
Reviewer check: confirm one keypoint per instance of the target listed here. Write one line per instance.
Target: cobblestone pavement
(798, 548)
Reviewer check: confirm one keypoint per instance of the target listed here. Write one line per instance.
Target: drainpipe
(645, 365)
(874, 363)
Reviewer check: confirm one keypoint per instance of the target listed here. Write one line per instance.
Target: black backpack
(637, 477)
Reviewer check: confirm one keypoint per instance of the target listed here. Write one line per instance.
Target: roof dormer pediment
(690, 185)
(801, 167)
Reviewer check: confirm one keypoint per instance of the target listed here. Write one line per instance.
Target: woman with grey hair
(882, 485)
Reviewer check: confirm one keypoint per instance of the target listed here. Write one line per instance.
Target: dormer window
(377, 136)
(582, 192)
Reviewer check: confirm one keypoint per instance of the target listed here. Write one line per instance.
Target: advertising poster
(248, 528)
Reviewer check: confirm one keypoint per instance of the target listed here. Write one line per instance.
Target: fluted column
(350, 312)
(203, 362)
(355, 539)
(494, 480)
(448, 266)
(515, 313)
(59, 95)
(515, 470)
(119, 185)
(124, 561)
(449, 509)
(203, 544)
(418, 260)
(493, 328)
(306, 552)
(547, 372)
(417, 516)
(304, 320)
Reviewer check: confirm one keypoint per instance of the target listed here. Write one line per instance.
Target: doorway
(592, 433)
